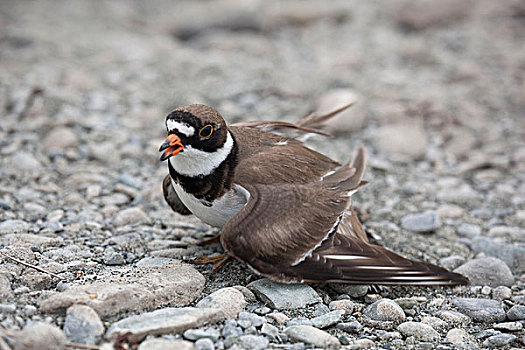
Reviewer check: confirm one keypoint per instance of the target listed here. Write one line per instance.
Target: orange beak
(171, 147)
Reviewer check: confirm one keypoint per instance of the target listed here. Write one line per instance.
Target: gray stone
(516, 313)
(148, 288)
(481, 310)
(460, 339)
(385, 310)
(487, 272)
(420, 331)
(501, 293)
(253, 342)
(353, 290)
(404, 138)
(194, 334)
(499, 340)
(410, 302)
(229, 300)
(14, 226)
(164, 321)
(59, 139)
(23, 160)
(83, 325)
(130, 216)
(111, 257)
(363, 344)
(434, 322)
(425, 14)
(463, 195)
(312, 335)
(30, 240)
(468, 230)
(346, 305)
(350, 327)
(269, 330)
(284, 296)
(41, 336)
(204, 344)
(165, 344)
(328, 319)
(250, 319)
(422, 222)
(512, 255)
(509, 326)
(454, 318)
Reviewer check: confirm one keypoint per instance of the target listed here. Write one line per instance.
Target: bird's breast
(218, 212)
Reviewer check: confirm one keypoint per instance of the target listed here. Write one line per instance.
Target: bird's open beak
(171, 147)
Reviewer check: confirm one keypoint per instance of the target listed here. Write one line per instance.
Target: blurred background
(439, 86)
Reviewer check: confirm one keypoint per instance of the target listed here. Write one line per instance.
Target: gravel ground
(85, 86)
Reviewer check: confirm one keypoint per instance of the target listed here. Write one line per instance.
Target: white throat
(194, 162)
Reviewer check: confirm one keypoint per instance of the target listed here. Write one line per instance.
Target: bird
(283, 209)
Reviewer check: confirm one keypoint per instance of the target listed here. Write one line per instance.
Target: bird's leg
(212, 240)
(218, 261)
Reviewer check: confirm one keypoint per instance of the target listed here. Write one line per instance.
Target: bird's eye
(206, 131)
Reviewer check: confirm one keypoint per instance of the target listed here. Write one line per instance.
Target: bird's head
(193, 129)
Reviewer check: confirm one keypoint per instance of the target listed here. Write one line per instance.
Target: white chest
(218, 212)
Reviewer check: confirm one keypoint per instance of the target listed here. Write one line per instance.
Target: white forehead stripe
(183, 128)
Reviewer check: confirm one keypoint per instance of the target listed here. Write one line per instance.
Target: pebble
(499, 340)
(353, 290)
(454, 318)
(284, 296)
(328, 319)
(25, 161)
(14, 226)
(199, 333)
(421, 15)
(394, 139)
(468, 230)
(82, 325)
(385, 310)
(253, 342)
(164, 321)
(509, 326)
(130, 216)
(501, 293)
(490, 272)
(434, 322)
(278, 317)
(480, 310)
(418, 330)
(165, 344)
(409, 303)
(204, 344)
(363, 344)
(350, 327)
(41, 336)
(464, 195)
(346, 305)
(452, 262)
(511, 254)
(450, 211)
(312, 335)
(516, 313)
(59, 139)
(459, 338)
(422, 222)
(270, 331)
(229, 300)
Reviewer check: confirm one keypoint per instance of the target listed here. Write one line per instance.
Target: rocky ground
(89, 251)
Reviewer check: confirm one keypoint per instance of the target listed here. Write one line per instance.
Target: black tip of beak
(165, 145)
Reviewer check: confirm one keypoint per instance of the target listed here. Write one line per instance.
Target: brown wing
(172, 198)
(307, 232)
(281, 223)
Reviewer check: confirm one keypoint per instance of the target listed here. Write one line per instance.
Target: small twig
(31, 266)
(30, 100)
(83, 346)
